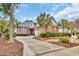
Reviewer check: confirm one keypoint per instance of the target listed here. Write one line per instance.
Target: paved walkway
(37, 47)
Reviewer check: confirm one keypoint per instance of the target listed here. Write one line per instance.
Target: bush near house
(77, 34)
(54, 34)
(44, 34)
(64, 39)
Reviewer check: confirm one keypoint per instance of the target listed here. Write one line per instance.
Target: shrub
(77, 36)
(64, 39)
(66, 34)
(54, 34)
(44, 34)
(49, 34)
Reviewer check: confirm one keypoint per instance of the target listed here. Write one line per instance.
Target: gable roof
(27, 23)
(54, 21)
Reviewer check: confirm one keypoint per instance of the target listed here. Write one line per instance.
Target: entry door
(32, 31)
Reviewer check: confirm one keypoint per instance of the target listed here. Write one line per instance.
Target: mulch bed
(15, 49)
(67, 45)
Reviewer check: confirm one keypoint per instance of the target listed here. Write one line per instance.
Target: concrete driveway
(34, 47)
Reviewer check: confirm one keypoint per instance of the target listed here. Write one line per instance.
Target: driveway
(34, 47)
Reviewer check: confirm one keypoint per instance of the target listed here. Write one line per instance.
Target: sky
(30, 11)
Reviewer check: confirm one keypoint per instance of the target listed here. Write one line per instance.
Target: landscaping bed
(61, 39)
(57, 42)
(14, 49)
(67, 45)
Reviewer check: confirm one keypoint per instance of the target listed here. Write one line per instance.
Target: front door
(32, 31)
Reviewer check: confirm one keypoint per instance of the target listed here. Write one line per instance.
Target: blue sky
(30, 11)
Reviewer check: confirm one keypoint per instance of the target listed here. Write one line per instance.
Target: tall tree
(8, 10)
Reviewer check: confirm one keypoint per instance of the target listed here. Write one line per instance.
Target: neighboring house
(25, 28)
(53, 28)
(73, 27)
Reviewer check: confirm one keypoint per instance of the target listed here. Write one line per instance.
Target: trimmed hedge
(54, 34)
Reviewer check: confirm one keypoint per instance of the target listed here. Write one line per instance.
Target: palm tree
(64, 24)
(45, 21)
(8, 10)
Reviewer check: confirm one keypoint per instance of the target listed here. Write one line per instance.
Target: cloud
(75, 4)
(55, 6)
(63, 12)
(17, 11)
(21, 7)
(70, 12)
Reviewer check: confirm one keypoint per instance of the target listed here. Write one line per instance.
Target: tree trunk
(11, 28)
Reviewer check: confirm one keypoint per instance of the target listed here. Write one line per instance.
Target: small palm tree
(4, 27)
(64, 24)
